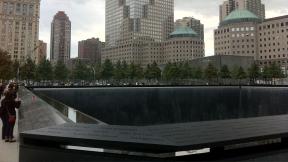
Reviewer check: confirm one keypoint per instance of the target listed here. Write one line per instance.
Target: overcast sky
(88, 17)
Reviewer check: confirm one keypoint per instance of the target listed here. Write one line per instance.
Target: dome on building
(238, 16)
(183, 31)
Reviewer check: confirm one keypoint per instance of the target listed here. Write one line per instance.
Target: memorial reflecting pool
(166, 105)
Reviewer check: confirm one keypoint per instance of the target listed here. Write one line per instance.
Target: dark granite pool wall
(35, 113)
(159, 105)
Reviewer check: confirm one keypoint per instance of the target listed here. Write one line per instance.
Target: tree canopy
(211, 72)
(122, 70)
(81, 71)
(241, 74)
(254, 72)
(171, 71)
(44, 70)
(28, 70)
(61, 72)
(107, 70)
(153, 72)
(225, 72)
(5, 66)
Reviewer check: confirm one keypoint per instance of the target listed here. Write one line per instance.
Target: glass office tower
(128, 20)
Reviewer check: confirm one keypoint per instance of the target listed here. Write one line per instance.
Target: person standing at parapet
(3, 119)
(2, 88)
(8, 106)
(12, 88)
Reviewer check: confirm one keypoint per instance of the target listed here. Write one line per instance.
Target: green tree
(61, 72)
(44, 70)
(135, 72)
(197, 73)
(166, 71)
(241, 73)
(147, 72)
(5, 66)
(153, 71)
(28, 70)
(266, 74)
(234, 72)
(171, 71)
(81, 71)
(132, 71)
(224, 72)
(107, 69)
(185, 71)
(276, 71)
(254, 72)
(125, 69)
(118, 71)
(139, 72)
(211, 72)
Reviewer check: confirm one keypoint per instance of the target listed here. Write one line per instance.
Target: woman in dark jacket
(8, 105)
(4, 121)
(12, 89)
(1, 88)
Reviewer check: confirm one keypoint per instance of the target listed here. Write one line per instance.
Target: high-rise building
(132, 24)
(242, 33)
(254, 6)
(226, 8)
(183, 45)
(134, 19)
(19, 28)
(90, 49)
(273, 42)
(237, 34)
(42, 51)
(72, 63)
(192, 23)
(60, 38)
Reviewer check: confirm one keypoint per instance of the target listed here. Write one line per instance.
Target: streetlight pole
(18, 72)
(94, 73)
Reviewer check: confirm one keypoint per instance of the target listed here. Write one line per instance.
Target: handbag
(12, 119)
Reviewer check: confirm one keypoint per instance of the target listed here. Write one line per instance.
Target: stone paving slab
(9, 152)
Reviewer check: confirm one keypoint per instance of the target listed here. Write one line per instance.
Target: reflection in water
(73, 114)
